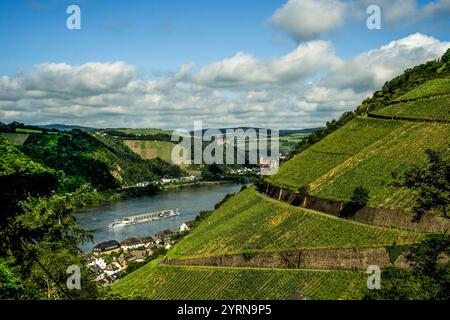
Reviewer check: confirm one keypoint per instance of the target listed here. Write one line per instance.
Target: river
(190, 201)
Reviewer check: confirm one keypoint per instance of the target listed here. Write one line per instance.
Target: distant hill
(63, 127)
(101, 160)
(282, 132)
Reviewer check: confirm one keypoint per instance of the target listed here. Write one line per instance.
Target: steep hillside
(431, 109)
(251, 222)
(151, 149)
(364, 152)
(430, 88)
(159, 282)
(359, 150)
(21, 177)
(100, 160)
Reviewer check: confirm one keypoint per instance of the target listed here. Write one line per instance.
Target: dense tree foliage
(428, 279)
(432, 184)
(102, 161)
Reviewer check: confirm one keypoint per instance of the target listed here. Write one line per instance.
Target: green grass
(252, 222)
(17, 139)
(428, 89)
(430, 109)
(21, 130)
(372, 168)
(339, 146)
(364, 153)
(160, 282)
(152, 149)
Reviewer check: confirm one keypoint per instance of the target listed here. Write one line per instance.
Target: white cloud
(86, 79)
(370, 70)
(309, 19)
(303, 88)
(243, 69)
(410, 11)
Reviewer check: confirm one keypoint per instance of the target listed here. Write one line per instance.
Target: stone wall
(338, 259)
(374, 216)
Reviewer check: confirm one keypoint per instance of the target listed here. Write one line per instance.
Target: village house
(138, 255)
(112, 268)
(107, 247)
(94, 261)
(186, 226)
(132, 243)
(164, 234)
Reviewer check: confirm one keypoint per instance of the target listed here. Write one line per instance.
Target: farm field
(17, 139)
(21, 130)
(429, 109)
(161, 282)
(145, 132)
(152, 149)
(428, 89)
(251, 222)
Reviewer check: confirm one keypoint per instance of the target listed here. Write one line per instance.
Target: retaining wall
(374, 216)
(325, 259)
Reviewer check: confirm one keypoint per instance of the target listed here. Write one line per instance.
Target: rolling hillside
(151, 149)
(433, 109)
(101, 160)
(333, 168)
(428, 89)
(159, 282)
(359, 150)
(251, 222)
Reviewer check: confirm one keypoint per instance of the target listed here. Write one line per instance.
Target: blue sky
(162, 34)
(156, 38)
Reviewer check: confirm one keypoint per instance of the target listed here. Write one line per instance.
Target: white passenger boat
(141, 218)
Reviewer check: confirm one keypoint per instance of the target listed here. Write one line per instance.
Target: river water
(189, 201)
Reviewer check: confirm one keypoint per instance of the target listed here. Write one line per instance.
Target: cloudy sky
(268, 63)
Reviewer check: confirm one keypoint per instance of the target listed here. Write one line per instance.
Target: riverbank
(189, 200)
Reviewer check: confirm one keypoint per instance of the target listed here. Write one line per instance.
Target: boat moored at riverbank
(141, 218)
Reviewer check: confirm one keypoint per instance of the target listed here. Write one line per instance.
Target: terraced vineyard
(428, 89)
(429, 109)
(364, 153)
(159, 282)
(152, 149)
(17, 139)
(372, 167)
(251, 222)
(317, 160)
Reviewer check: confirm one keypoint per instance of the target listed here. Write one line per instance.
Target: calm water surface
(189, 201)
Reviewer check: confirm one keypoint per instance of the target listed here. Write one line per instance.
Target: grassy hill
(437, 108)
(103, 161)
(159, 282)
(428, 89)
(364, 153)
(357, 150)
(16, 139)
(251, 222)
(21, 177)
(151, 149)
